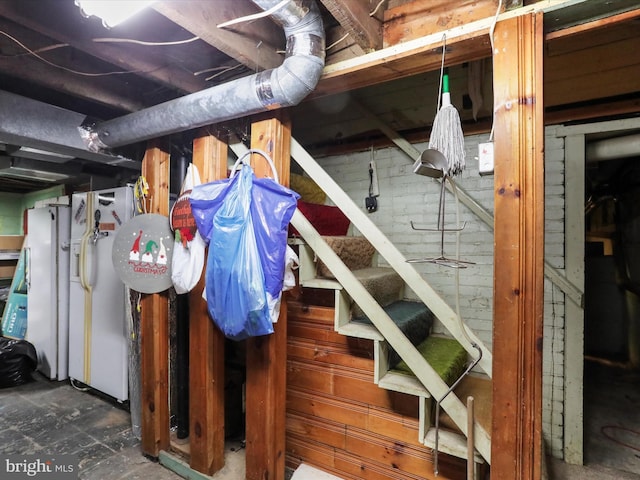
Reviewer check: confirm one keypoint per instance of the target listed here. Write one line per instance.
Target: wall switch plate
(485, 158)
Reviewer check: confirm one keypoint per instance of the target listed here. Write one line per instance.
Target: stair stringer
(393, 335)
(443, 312)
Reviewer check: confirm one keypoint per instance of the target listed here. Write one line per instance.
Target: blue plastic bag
(235, 287)
(272, 206)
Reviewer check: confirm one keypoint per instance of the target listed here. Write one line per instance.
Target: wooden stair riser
(315, 323)
(351, 384)
(343, 323)
(329, 354)
(352, 467)
(318, 343)
(312, 341)
(371, 458)
(370, 418)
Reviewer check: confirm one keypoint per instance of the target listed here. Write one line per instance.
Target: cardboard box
(11, 242)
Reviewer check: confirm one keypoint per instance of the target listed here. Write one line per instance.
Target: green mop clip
(446, 132)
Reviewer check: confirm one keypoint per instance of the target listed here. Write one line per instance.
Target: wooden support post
(206, 342)
(516, 451)
(266, 355)
(154, 319)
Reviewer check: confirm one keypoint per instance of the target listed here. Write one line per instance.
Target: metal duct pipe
(613, 148)
(279, 87)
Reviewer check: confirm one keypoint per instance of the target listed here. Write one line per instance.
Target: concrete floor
(611, 400)
(53, 418)
(612, 418)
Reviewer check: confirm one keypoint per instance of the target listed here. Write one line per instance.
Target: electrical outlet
(485, 158)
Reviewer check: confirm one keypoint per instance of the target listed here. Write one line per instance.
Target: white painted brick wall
(406, 197)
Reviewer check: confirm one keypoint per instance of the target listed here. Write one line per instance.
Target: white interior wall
(405, 197)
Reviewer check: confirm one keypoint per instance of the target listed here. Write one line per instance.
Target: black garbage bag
(18, 360)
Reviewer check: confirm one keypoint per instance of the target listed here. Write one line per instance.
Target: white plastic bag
(291, 264)
(188, 252)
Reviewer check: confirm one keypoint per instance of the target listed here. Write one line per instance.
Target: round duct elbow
(283, 86)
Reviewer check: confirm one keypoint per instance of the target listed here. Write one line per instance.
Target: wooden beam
(266, 355)
(592, 65)
(51, 19)
(253, 44)
(465, 43)
(354, 17)
(206, 342)
(107, 91)
(154, 319)
(519, 249)
(423, 17)
(589, 27)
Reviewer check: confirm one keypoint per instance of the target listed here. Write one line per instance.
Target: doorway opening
(612, 301)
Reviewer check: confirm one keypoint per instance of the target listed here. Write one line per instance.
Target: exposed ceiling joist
(50, 21)
(254, 44)
(108, 91)
(355, 18)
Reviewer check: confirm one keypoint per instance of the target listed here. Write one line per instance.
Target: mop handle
(470, 440)
(446, 96)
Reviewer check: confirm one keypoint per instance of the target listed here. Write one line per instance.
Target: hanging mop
(446, 132)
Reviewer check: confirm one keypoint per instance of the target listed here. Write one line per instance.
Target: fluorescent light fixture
(29, 169)
(112, 12)
(30, 174)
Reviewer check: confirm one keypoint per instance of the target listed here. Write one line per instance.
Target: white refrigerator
(98, 325)
(47, 275)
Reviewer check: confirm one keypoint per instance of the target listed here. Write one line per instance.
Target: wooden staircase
(336, 416)
(390, 372)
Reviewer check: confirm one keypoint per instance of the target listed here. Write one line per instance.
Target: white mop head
(448, 139)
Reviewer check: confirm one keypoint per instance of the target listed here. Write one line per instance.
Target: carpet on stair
(355, 252)
(383, 283)
(414, 320)
(445, 355)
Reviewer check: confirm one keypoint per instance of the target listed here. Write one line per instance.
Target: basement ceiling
(50, 53)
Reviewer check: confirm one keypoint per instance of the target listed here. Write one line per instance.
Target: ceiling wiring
(142, 42)
(337, 41)
(255, 16)
(36, 52)
(373, 12)
(228, 69)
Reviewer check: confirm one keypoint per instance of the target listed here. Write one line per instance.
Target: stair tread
(360, 330)
(451, 443)
(447, 357)
(480, 388)
(383, 283)
(401, 382)
(355, 251)
(374, 272)
(414, 320)
(323, 283)
(402, 312)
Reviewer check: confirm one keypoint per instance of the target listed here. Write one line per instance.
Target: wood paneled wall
(338, 419)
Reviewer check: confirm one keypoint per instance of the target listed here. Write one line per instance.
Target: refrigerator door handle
(84, 244)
